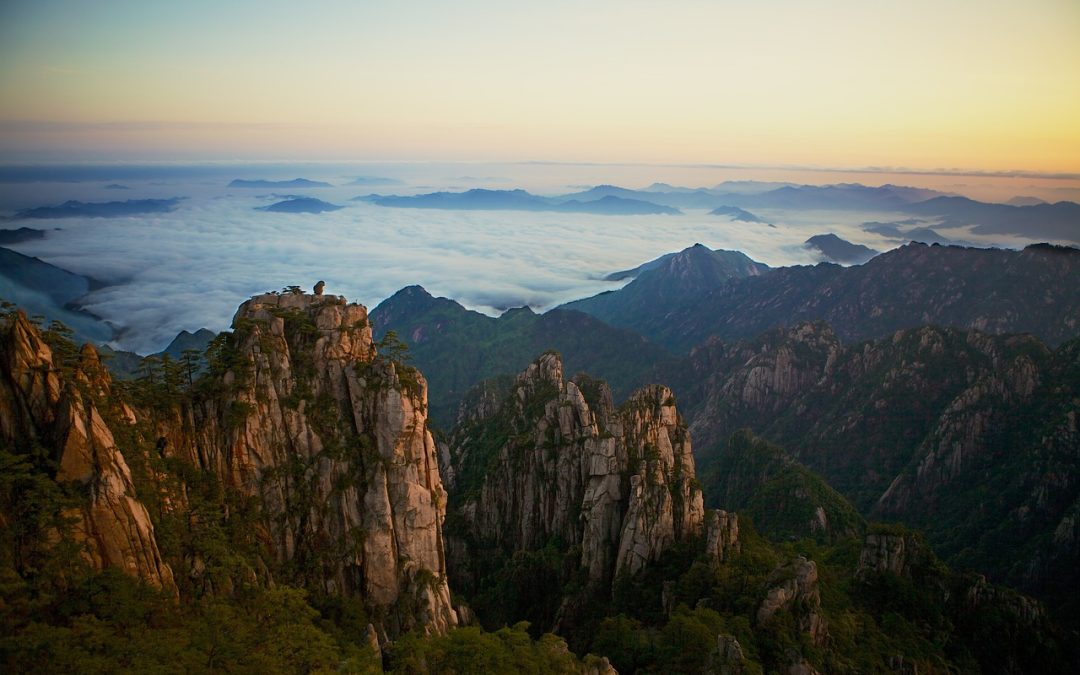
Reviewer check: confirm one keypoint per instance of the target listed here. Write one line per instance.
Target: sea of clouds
(190, 268)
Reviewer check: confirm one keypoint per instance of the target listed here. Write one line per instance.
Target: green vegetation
(471, 650)
(785, 499)
(457, 348)
(109, 623)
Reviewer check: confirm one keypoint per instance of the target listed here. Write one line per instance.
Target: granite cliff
(301, 427)
(45, 410)
(551, 462)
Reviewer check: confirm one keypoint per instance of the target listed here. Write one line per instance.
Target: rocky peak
(40, 405)
(300, 415)
(312, 391)
(341, 330)
(28, 362)
(721, 534)
(619, 483)
(728, 659)
(547, 369)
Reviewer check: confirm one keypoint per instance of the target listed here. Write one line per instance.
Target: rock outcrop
(555, 461)
(334, 442)
(728, 659)
(43, 407)
(794, 587)
(721, 534)
(893, 553)
(299, 415)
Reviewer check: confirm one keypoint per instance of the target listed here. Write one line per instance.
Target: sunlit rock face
(44, 408)
(297, 413)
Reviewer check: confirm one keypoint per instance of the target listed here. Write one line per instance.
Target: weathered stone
(796, 586)
(621, 484)
(886, 553)
(722, 534)
(728, 659)
(36, 404)
(332, 442)
(315, 390)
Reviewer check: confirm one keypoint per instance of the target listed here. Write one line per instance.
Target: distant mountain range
(1036, 290)
(667, 282)
(294, 183)
(75, 209)
(903, 232)
(1060, 221)
(681, 300)
(520, 200)
(374, 180)
(1053, 221)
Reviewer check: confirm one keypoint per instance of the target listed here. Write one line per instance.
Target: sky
(986, 86)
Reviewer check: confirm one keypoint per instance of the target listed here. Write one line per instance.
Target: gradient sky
(988, 85)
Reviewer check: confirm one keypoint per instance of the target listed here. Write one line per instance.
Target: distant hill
(476, 199)
(665, 195)
(617, 206)
(735, 213)
(21, 234)
(301, 205)
(1021, 200)
(844, 196)
(374, 180)
(1036, 290)
(752, 194)
(294, 183)
(75, 209)
(41, 288)
(456, 348)
(840, 250)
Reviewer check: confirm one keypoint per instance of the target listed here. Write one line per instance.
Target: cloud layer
(190, 268)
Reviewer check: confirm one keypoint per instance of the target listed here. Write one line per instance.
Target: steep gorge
(970, 436)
